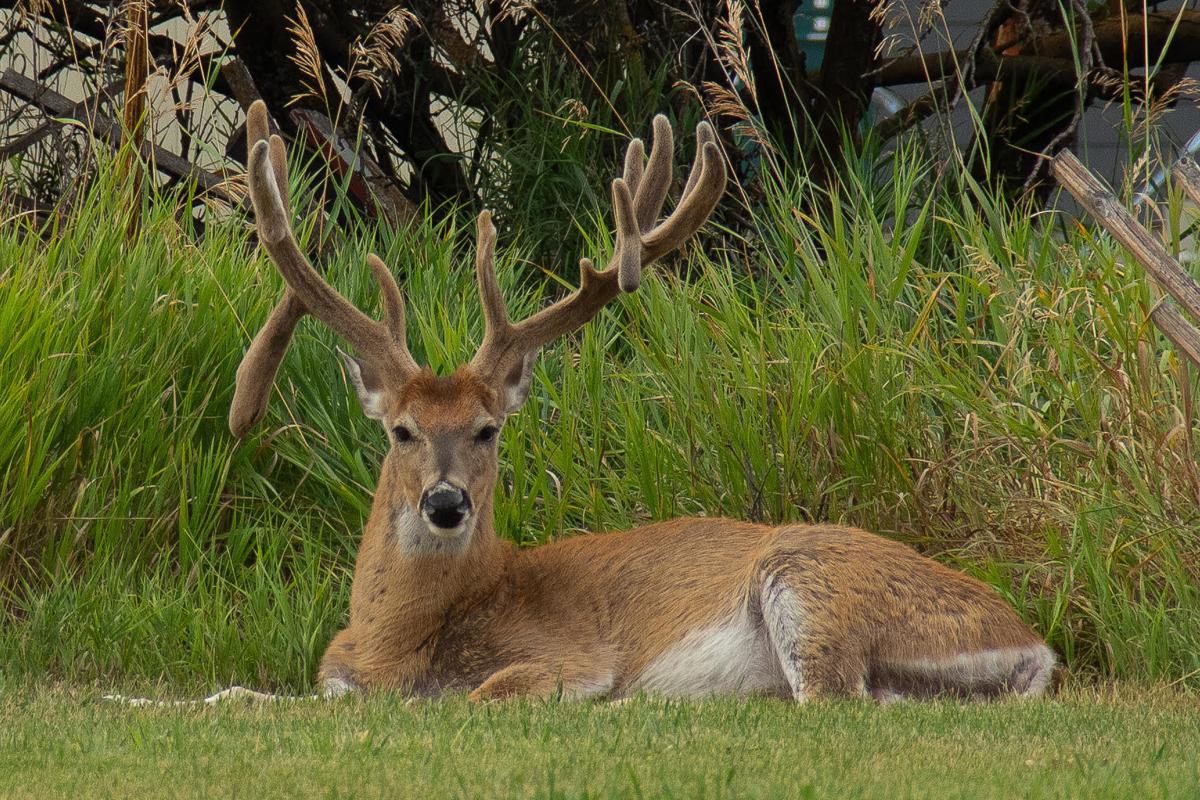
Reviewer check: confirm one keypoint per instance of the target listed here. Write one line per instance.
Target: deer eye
(487, 433)
(402, 434)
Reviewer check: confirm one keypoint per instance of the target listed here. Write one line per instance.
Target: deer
(442, 604)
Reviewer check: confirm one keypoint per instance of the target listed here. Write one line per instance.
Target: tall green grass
(911, 357)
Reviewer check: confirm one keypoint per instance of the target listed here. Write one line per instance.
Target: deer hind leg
(817, 653)
(1023, 671)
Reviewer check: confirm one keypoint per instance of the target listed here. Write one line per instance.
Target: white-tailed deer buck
(441, 604)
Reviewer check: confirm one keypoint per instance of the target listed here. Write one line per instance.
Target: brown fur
(440, 603)
(589, 614)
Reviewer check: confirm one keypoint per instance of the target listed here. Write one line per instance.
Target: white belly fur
(734, 657)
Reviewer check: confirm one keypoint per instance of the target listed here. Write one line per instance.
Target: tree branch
(1118, 43)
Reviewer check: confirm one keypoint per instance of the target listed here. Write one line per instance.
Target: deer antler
(381, 344)
(507, 348)
(256, 373)
(638, 197)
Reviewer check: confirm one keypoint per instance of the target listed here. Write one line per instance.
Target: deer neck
(409, 592)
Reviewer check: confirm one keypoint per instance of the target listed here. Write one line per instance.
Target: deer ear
(366, 383)
(514, 388)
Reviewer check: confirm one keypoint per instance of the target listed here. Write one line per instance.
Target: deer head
(439, 474)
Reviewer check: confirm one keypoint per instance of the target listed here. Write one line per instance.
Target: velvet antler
(638, 198)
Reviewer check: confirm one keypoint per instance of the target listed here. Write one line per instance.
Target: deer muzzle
(445, 505)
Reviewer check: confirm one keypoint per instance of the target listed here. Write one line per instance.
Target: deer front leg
(337, 675)
(530, 679)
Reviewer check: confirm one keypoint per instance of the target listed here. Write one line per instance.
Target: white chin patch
(417, 536)
(450, 534)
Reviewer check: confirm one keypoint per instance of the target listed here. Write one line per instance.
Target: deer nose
(445, 505)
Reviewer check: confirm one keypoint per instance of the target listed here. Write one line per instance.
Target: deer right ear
(366, 384)
(515, 387)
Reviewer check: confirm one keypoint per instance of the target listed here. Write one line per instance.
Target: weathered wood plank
(1145, 247)
(108, 131)
(1177, 329)
(32, 137)
(1165, 271)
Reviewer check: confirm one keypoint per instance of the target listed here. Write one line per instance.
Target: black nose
(445, 505)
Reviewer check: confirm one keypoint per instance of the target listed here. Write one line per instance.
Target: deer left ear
(366, 384)
(514, 389)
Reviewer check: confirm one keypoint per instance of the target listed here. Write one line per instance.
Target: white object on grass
(232, 693)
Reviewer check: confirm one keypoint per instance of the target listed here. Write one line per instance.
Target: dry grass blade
(307, 57)
(373, 58)
(731, 50)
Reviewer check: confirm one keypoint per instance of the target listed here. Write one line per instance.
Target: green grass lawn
(1131, 743)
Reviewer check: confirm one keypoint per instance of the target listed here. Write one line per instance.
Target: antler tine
(279, 167)
(627, 246)
(704, 136)
(258, 127)
(256, 372)
(393, 308)
(496, 328)
(693, 209)
(638, 197)
(635, 163)
(495, 315)
(650, 194)
(374, 341)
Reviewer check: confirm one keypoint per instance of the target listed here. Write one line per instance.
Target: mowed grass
(1135, 744)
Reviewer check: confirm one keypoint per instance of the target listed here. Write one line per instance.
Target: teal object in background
(811, 26)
